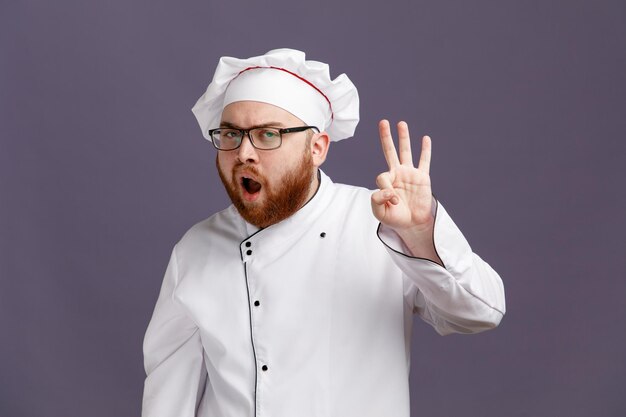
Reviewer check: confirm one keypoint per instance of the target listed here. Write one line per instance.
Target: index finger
(386, 141)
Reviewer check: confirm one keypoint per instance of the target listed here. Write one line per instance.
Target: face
(267, 186)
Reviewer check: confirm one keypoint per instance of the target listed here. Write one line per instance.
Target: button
(264, 368)
(256, 303)
(323, 235)
(248, 244)
(248, 252)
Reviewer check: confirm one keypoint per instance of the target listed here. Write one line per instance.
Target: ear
(319, 148)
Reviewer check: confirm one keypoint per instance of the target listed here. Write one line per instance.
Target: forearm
(461, 294)
(173, 356)
(420, 241)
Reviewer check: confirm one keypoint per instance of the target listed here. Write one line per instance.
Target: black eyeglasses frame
(246, 132)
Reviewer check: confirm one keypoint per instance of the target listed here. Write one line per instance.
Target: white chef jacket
(308, 317)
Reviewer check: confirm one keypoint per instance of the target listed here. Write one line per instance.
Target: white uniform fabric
(308, 317)
(282, 89)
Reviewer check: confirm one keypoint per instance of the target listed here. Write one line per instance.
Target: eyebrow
(234, 126)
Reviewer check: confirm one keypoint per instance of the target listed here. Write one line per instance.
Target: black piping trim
(256, 379)
(425, 259)
(416, 257)
(245, 268)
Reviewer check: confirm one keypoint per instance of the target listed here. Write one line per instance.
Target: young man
(297, 300)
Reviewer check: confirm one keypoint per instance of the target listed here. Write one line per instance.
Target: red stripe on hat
(332, 114)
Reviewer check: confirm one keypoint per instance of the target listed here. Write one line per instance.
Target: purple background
(102, 168)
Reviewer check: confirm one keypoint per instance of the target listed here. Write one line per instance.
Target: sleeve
(467, 296)
(173, 356)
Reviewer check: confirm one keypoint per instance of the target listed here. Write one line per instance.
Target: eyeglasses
(228, 139)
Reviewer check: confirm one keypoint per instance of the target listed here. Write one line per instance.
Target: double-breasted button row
(248, 244)
(256, 303)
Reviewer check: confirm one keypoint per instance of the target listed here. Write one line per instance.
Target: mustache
(241, 168)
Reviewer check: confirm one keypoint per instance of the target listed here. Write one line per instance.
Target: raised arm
(456, 291)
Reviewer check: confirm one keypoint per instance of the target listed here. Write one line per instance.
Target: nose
(246, 152)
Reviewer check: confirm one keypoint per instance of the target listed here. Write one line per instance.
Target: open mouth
(251, 186)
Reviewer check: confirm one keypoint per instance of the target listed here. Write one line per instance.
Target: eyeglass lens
(261, 137)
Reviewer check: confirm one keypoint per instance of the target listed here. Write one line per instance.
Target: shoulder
(351, 194)
(352, 190)
(226, 224)
(353, 205)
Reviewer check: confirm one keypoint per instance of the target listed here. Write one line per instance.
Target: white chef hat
(284, 78)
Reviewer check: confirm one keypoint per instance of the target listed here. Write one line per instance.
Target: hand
(404, 199)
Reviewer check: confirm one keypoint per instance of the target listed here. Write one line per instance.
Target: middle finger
(404, 143)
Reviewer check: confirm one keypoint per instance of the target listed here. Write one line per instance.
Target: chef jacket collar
(273, 240)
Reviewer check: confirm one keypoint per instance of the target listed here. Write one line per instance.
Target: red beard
(280, 202)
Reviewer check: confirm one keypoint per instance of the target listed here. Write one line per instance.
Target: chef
(297, 300)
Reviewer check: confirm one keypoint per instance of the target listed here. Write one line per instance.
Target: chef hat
(284, 78)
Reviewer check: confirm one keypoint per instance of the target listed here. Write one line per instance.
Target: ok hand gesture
(404, 200)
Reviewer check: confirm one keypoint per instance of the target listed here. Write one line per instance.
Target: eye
(230, 133)
(269, 134)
